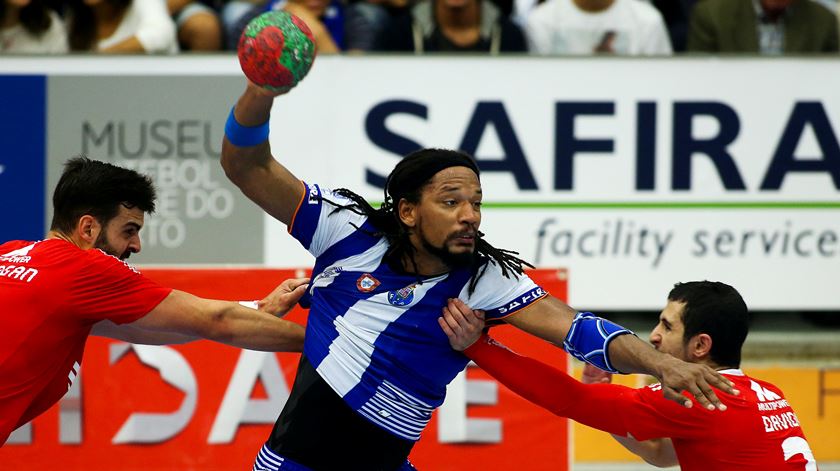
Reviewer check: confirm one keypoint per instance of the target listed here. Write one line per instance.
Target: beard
(104, 245)
(449, 258)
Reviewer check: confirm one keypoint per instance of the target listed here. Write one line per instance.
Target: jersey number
(797, 445)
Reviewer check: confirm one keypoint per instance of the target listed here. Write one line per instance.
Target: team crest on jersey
(402, 297)
(314, 195)
(367, 283)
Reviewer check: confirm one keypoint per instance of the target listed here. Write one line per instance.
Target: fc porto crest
(367, 283)
(402, 297)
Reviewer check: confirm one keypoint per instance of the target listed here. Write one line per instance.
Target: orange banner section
(204, 406)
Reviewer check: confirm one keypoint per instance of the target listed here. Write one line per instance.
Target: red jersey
(758, 431)
(51, 294)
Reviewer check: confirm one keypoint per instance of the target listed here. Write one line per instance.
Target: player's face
(448, 216)
(667, 336)
(121, 236)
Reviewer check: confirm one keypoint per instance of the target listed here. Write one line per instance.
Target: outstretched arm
(656, 451)
(551, 320)
(249, 164)
(222, 321)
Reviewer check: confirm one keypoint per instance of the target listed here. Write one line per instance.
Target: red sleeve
(642, 413)
(107, 288)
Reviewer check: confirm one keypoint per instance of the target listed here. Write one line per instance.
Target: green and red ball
(276, 50)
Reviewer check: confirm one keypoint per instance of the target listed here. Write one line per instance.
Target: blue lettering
(513, 160)
(784, 161)
(685, 145)
(566, 145)
(387, 139)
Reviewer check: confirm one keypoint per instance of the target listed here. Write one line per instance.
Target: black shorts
(320, 431)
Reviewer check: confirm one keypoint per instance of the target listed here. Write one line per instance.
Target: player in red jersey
(54, 292)
(703, 322)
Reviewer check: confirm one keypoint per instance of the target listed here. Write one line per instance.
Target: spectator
(762, 26)
(30, 27)
(366, 20)
(622, 27)
(198, 25)
(676, 14)
(121, 26)
(325, 19)
(453, 26)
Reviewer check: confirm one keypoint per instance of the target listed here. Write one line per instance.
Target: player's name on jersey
(18, 273)
(783, 421)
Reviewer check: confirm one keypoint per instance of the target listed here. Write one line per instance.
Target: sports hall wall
(630, 173)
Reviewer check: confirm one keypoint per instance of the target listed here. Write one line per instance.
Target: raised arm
(247, 160)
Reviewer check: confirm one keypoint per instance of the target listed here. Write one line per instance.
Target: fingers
(706, 396)
(294, 283)
(674, 395)
(721, 382)
(461, 324)
(446, 329)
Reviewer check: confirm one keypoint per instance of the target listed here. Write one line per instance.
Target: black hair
(34, 17)
(407, 181)
(81, 28)
(98, 189)
(716, 309)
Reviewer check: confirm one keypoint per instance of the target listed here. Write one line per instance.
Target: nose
(469, 214)
(655, 337)
(135, 244)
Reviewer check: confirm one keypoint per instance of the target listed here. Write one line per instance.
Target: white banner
(632, 173)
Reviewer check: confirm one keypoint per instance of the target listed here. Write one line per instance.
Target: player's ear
(700, 346)
(88, 229)
(407, 212)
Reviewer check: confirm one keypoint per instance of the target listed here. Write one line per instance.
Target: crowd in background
(546, 27)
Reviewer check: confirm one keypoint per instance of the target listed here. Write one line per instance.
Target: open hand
(284, 297)
(678, 376)
(461, 324)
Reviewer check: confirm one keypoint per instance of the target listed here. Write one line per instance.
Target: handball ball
(276, 50)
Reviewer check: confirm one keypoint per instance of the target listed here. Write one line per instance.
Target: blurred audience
(763, 26)
(30, 27)
(676, 14)
(120, 26)
(453, 26)
(366, 20)
(198, 25)
(324, 17)
(623, 27)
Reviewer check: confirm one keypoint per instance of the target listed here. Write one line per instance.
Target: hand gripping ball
(276, 50)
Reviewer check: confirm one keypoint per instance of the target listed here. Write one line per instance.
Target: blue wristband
(245, 136)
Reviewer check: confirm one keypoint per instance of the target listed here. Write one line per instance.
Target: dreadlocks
(407, 181)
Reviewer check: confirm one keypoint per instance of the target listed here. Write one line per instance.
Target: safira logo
(402, 297)
(366, 283)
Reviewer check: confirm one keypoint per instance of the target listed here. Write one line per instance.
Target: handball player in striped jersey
(375, 363)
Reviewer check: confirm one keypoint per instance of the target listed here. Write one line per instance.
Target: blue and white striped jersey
(373, 333)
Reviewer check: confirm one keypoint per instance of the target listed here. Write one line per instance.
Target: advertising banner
(203, 406)
(633, 173)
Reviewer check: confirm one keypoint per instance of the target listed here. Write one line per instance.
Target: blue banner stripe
(23, 158)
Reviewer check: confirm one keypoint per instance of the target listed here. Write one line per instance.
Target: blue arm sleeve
(589, 340)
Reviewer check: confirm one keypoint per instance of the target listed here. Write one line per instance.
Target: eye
(477, 204)
(449, 202)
